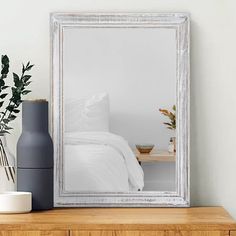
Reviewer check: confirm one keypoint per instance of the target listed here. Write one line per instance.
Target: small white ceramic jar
(15, 202)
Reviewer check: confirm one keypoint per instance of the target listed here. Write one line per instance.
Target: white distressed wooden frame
(177, 21)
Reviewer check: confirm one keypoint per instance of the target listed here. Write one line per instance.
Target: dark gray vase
(35, 155)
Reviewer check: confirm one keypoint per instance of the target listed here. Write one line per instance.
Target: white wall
(25, 35)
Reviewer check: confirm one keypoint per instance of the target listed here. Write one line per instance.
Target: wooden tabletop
(155, 156)
(200, 218)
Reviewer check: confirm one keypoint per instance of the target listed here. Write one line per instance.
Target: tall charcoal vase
(35, 155)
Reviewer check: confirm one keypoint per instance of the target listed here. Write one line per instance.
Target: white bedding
(100, 162)
(87, 114)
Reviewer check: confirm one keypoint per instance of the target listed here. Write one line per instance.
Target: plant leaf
(5, 87)
(12, 117)
(10, 108)
(3, 95)
(16, 110)
(26, 77)
(166, 123)
(170, 128)
(4, 71)
(2, 82)
(5, 60)
(6, 120)
(16, 79)
(26, 92)
(8, 128)
(27, 83)
(4, 132)
(29, 67)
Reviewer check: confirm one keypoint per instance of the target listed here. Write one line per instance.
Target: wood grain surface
(127, 219)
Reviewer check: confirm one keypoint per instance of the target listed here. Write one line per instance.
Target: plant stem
(10, 170)
(5, 112)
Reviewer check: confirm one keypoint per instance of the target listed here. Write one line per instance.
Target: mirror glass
(119, 105)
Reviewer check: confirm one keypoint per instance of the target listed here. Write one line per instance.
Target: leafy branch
(172, 116)
(4, 73)
(17, 91)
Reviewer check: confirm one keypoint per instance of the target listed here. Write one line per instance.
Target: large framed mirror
(120, 109)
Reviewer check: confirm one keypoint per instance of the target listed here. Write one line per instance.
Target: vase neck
(35, 116)
(7, 158)
(3, 140)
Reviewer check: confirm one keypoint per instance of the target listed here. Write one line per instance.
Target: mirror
(120, 109)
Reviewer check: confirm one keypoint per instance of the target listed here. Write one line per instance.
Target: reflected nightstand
(155, 156)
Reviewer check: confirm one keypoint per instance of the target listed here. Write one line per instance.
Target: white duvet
(100, 162)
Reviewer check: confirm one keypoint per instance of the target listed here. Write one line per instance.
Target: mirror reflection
(119, 96)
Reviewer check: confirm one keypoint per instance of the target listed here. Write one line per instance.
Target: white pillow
(88, 114)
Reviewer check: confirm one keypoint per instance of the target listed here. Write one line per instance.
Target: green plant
(11, 109)
(172, 116)
(17, 91)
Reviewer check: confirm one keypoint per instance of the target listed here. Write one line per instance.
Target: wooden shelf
(156, 156)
